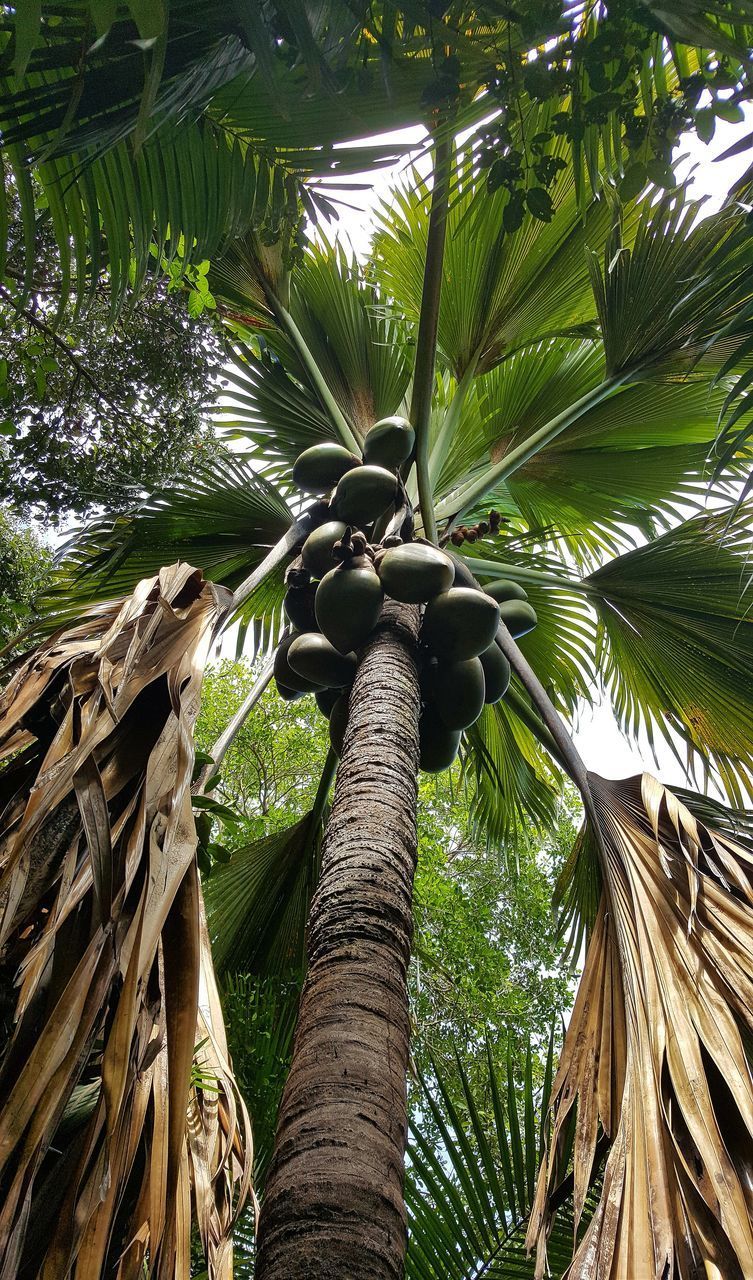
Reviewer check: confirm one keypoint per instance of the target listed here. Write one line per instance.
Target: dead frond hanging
(656, 1057)
(119, 1120)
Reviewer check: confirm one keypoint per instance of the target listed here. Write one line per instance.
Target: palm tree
(587, 420)
(571, 360)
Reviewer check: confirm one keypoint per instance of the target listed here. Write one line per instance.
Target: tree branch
(72, 359)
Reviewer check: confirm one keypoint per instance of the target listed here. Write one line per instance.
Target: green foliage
(25, 566)
(269, 775)
(95, 413)
(472, 1162)
(183, 123)
(486, 949)
(676, 642)
(224, 515)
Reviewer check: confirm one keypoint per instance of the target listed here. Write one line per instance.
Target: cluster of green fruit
(352, 559)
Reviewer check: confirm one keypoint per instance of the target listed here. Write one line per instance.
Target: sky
(604, 748)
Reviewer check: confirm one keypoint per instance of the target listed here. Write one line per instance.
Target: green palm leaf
(258, 902)
(632, 460)
(511, 778)
(356, 340)
(267, 409)
(226, 517)
(663, 300)
(500, 290)
(676, 642)
(469, 1195)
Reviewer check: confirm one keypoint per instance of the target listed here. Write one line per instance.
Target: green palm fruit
(289, 695)
(427, 676)
(289, 682)
(319, 468)
(518, 616)
(311, 657)
(364, 494)
(348, 604)
(389, 443)
(326, 699)
(496, 673)
(299, 607)
(338, 723)
(458, 693)
(464, 576)
(317, 549)
(459, 624)
(438, 744)
(414, 572)
(502, 589)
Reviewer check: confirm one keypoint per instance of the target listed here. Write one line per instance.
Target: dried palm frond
(106, 1137)
(656, 1056)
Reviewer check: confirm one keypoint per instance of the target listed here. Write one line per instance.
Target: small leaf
(730, 111)
(661, 173)
(633, 182)
(705, 124)
(512, 218)
(540, 204)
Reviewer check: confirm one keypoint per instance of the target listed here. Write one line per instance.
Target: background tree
(98, 409)
(25, 569)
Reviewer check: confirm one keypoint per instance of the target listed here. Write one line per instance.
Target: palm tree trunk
(333, 1206)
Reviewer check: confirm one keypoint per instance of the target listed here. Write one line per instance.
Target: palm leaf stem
(552, 721)
(426, 342)
(287, 544)
(325, 782)
(524, 573)
(546, 709)
(458, 503)
(534, 722)
(234, 725)
(451, 421)
(290, 328)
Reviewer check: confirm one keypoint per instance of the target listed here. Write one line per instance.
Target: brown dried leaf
(101, 948)
(665, 1008)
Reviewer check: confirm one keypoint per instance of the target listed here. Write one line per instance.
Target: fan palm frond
(676, 641)
(512, 780)
(226, 516)
(500, 290)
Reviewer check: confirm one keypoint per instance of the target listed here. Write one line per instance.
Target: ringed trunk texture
(333, 1207)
